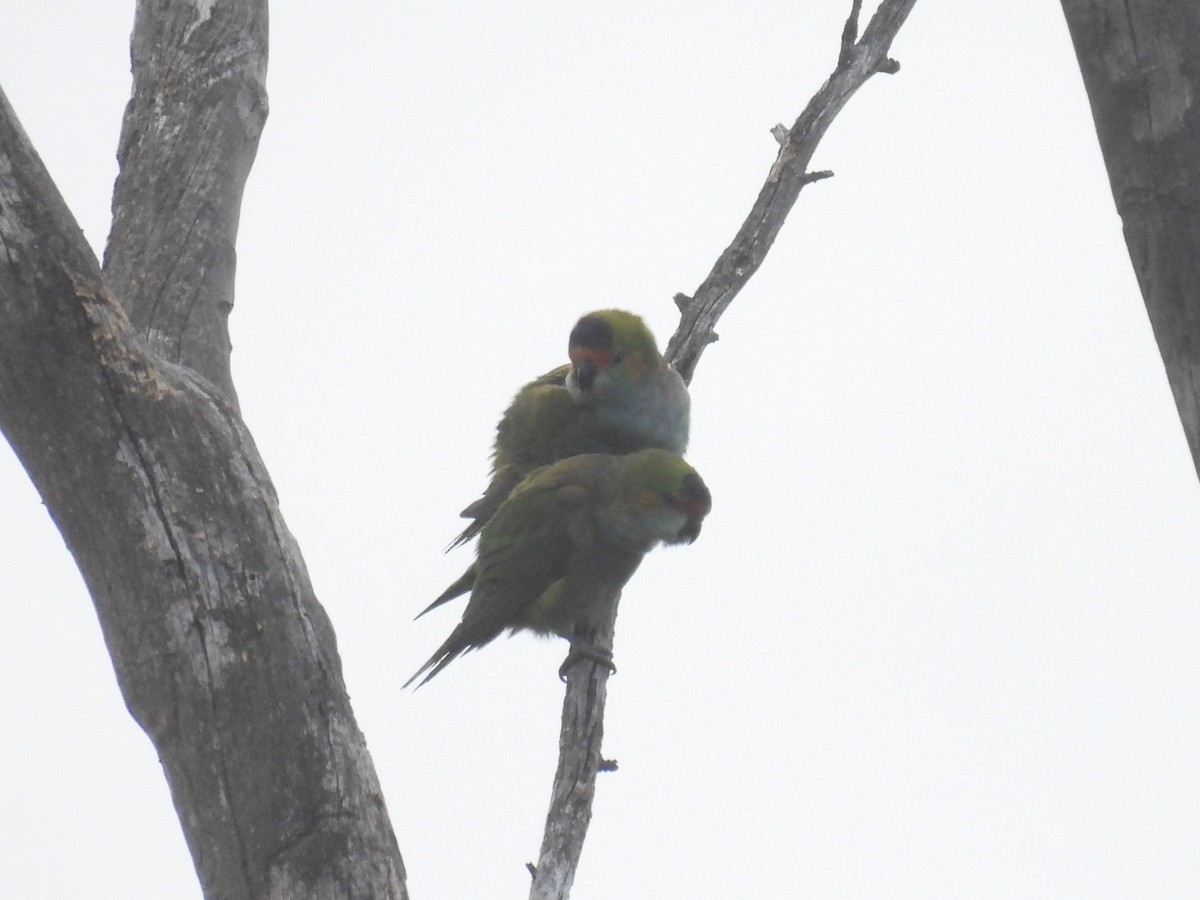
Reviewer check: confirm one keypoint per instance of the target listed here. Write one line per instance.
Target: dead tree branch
(857, 62)
(583, 708)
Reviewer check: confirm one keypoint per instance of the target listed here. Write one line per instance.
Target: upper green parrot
(567, 539)
(617, 395)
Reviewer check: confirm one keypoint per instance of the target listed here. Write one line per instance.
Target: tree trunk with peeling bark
(115, 392)
(1141, 68)
(116, 396)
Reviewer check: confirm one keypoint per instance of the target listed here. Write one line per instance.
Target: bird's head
(667, 499)
(609, 348)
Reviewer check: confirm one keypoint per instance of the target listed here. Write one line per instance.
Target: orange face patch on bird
(588, 362)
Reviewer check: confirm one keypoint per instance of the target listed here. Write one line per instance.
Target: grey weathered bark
(199, 103)
(130, 432)
(1141, 68)
(583, 707)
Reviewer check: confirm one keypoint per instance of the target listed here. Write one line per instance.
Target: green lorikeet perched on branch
(563, 544)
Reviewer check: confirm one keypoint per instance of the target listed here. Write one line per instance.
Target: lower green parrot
(567, 539)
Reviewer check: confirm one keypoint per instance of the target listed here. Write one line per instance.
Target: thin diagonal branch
(583, 707)
(787, 177)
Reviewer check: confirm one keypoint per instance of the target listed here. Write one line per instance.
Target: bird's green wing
(529, 435)
(525, 549)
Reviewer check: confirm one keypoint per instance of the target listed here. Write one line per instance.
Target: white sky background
(939, 637)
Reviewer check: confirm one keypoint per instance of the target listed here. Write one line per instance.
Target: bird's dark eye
(617, 357)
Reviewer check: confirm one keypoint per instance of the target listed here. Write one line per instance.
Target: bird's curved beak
(695, 503)
(585, 373)
(691, 529)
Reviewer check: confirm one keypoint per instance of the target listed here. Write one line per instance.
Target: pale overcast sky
(939, 636)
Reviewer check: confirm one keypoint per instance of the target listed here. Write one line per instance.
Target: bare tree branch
(221, 650)
(788, 175)
(583, 707)
(579, 759)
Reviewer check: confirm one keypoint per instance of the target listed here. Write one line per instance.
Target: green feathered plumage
(617, 395)
(567, 539)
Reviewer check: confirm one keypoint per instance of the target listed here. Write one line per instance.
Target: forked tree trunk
(115, 395)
